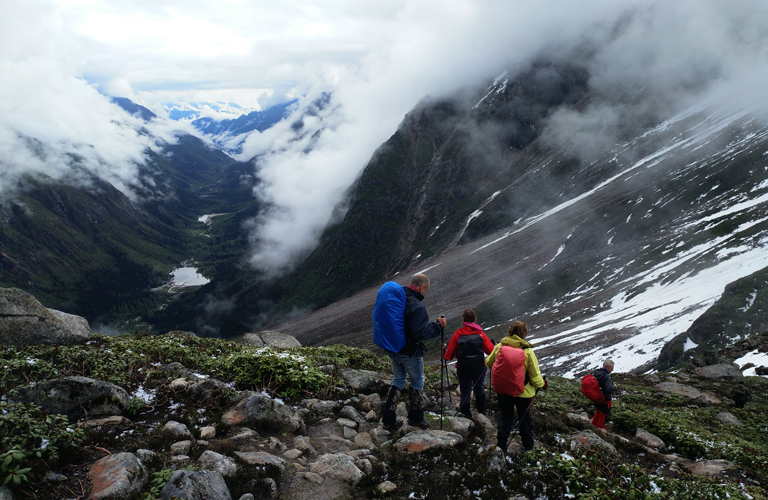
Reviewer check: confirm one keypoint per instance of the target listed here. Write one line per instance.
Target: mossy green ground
(689, 427)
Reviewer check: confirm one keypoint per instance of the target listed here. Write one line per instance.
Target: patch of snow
(689, 344)
(755, 357)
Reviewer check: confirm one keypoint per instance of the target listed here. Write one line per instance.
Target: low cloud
(377, 59)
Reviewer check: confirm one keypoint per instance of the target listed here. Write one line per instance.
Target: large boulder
(196, 485)
(364, 381)
(418, 441)
(262, 412)
(718, 371)
(25, 321)
(590, 441)
(74, 397)
(688, 391)
(117, 476)
(271, 339)
(337, 466)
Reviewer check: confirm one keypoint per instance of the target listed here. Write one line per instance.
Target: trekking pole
(520, 420)
(442, 366)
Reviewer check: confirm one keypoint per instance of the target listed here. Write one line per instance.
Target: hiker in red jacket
(515, 384)
(603, 376)
(470, 342)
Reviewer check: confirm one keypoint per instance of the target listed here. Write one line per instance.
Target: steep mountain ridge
(617, 256)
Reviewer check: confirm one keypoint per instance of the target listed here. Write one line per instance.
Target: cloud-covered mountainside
(604, 251)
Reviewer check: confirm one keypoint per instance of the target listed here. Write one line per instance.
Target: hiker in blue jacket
(409, 361)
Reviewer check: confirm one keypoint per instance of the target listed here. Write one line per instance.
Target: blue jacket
(417, 325)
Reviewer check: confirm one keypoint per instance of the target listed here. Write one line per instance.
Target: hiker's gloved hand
(546, 385)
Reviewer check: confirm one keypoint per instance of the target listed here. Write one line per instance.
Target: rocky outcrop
(74, 397)
(116, 477)
(196, 485)
(688, 391)
(363, 381)
(418, 441)
(718, 371)
(271, 339)
(263, 412)
(25, 321)
(590, 441)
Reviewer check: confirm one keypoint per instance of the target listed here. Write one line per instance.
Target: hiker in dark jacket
(603, 376)
(468, 344)
(533, 382)
(409, 361)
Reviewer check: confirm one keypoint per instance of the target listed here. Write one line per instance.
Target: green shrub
(29, 436)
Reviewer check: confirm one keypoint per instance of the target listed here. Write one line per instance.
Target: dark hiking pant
(467, 385)
(507, 404)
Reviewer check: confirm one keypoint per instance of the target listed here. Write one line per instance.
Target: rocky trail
(177, 416)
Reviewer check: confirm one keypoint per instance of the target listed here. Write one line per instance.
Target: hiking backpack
(508, 375)
(590, 387)
(389, 317)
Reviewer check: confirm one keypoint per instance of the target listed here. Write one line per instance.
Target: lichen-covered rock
(208, 432)
(718, 371)
(206, 389)
(337, 466)
(181, 448)
(260, 411)
(324, 408)
(113, 421)
(271, 339)
(650, 440)
(462, 426)
(5, 493)
(351, 413)
(364, 381)
(386, 487)
(175, 430)
(302, 443)
(710, 467)
(196, 485)
(418, 441)
(688, 391)
(216, 462)
(261, 458)
(364, 440)
(590, 441)
(25, 321)
(729, 419)
(117, 476)
(74, 397)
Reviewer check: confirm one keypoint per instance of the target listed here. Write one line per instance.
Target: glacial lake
(188, 276)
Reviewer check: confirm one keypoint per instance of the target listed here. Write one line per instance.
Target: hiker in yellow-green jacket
(515, 381)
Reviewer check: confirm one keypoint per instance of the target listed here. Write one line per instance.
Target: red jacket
(467, 329)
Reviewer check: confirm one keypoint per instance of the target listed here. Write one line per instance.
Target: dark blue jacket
(417, 325)
(606, 384)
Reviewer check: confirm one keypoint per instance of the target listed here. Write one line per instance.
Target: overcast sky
(379, 58)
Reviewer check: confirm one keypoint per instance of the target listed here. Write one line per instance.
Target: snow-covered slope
(614, 269)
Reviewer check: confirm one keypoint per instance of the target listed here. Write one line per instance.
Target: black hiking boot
(394, 426)
(421, 425)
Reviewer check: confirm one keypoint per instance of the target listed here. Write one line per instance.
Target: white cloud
(379, 58)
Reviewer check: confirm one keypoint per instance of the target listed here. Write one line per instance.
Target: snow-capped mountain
(228, 124)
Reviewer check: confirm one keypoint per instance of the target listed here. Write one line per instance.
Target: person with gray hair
(602, 410)
(409, 360)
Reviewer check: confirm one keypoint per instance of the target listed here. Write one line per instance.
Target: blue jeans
(403, 365)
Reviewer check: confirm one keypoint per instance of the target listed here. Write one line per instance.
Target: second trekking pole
(442, 367)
